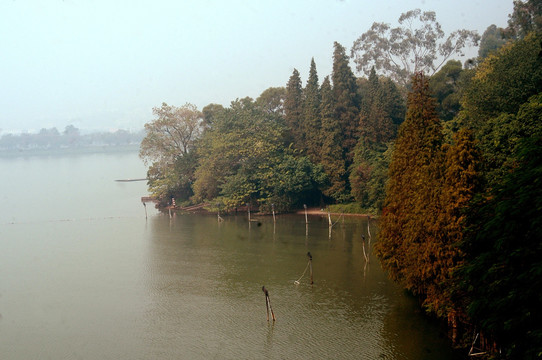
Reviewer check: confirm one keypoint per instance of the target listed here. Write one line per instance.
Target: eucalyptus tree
(418, 44)
(525, 18)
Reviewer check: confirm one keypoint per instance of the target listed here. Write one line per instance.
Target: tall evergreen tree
(408, 230)
(375, 126)
(331, 157)
(368, 173)
(293, 110)
(311, 112)
(347, 100)
(460, 184)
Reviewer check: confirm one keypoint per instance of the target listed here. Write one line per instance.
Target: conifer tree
(368, 173)
(331, 157)
(376, 126)
(347, 100)
(460, 184)
(293, 110)
(408, 220)
(312, 121)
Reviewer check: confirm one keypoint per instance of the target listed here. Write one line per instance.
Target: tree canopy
(454, 174)
(418, 45)
(168, 146)
(244, 159)
(171, 134)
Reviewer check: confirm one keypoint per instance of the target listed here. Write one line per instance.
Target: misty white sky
(104, 64)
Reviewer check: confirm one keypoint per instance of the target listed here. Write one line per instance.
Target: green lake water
(85, 275)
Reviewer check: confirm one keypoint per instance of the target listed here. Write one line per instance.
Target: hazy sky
(104, 64)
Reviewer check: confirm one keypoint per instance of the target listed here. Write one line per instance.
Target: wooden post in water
(369, 229)
(330, 223)
(274, 220)
(306, 219)
(248, 208)
(268, 304)
(145, 206)
(365, 254)
(310, 266)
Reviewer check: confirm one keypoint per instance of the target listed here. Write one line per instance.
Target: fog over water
(84, 274)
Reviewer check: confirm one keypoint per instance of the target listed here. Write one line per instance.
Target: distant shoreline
(105, 149)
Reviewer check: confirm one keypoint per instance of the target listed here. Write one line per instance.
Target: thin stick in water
(310, 265)
(268, 304)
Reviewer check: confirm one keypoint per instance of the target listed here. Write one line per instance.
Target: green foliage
(503, 273)
(243, 160)
(292, 182)
(375, 125)
(369, 174)
(271, 101)
(347, 101)
(349, 208)
(168, 145)
(382, 111)
(500, 137)
(492, 40)
(209, 112)
(172, 133)
(293, 110)
(447, 85)
(311, 112)
(393, 102)
(504, 81)
(331, 152)
(174, 180)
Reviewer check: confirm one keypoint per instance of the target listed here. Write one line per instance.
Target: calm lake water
(84, 275)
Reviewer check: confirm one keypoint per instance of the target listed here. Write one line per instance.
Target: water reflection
(84, 275)
(204, 283)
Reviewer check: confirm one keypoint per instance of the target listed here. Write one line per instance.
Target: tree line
(447, 153)
(71, 137)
